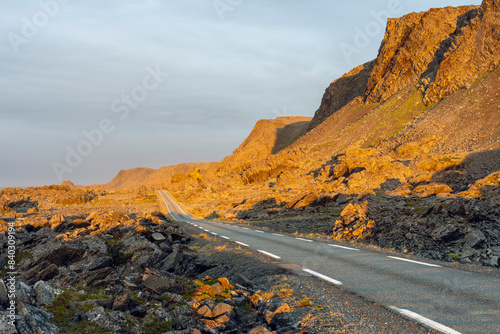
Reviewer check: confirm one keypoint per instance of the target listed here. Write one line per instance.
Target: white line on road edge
(422, 263)
(304, 239)
(213, 233)
(245, 228)
(269, 254)
(323, 277)
(260, 231)
(343, 247)
(425, 321)
(242, 244)
(206, 230)
(278, 235)
(225, 237)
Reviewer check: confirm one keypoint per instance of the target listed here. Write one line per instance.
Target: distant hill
(137, 177)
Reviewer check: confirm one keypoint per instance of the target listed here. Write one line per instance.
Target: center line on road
(425, 321)
(304, 239)
(278, 235)
(412, 261)
(222, 236)
(242, 244)
(269, 254)
(323, 277)
(259, 231)
(343, 247)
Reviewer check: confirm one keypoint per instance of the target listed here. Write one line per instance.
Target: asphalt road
(445, 299)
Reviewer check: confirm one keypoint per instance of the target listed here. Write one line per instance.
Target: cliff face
(439, 51)
(414, 47)
(473, 53)
(342, 91)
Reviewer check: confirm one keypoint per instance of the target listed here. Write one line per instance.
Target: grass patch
(220, 248)
(158, 327)
(454, 256)
(304, 302)
(63, 318)
(247, 307)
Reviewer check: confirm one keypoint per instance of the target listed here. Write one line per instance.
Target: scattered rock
(44, 294)
(160, 285)
(221, 308)
(158, 237)
(138, 312)
(260, 330)
(121, 303)
(38, 320)
(4, 299)
(100, 317)
(474, 238)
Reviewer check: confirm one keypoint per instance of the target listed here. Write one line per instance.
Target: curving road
(445, 299)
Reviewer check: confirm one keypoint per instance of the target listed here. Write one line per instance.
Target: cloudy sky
(91, 87)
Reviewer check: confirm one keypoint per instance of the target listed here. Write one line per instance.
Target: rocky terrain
(117, 264)
(408, 142)
(111, 272)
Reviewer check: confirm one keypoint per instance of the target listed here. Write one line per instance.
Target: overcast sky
(91, 87)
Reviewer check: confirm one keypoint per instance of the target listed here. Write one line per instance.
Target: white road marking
(278, 235)
(269, 254)
(242, 244)
(343, 247)
(260, 231)
(417, 262)
(213, 233)
(304, 239)
(206, 230)
(222, 236)
(323, 277)
(245, 228)
(425, 321)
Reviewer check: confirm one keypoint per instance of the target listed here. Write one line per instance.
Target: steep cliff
(439, 51)
(342, 91)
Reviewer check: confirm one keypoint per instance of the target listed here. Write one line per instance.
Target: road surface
(445, 299)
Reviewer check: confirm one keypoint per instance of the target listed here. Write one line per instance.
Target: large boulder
(39, 320)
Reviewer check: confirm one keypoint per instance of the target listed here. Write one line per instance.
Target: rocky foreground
(111, 272)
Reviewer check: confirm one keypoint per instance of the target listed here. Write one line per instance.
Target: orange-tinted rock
(221, 308)
(260, 330)
(205, 311)
(285, 308)
(217, 288)
(268, 316)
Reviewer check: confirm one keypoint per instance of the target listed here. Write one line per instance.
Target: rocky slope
(440, 51)
(417, 125)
